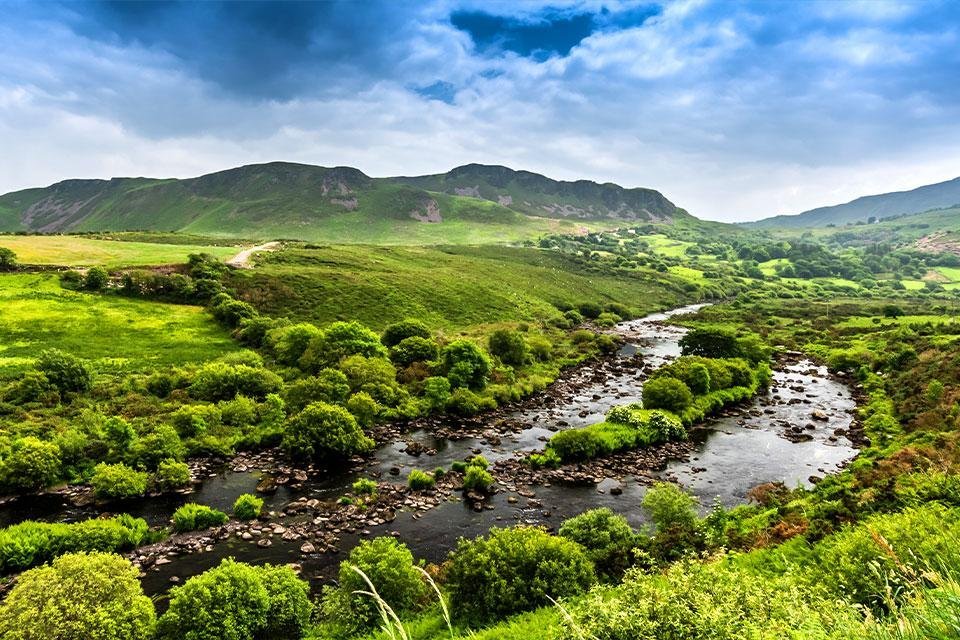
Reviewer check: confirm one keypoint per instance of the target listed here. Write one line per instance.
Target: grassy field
(79, 251)
(118, 334)
(451, 287)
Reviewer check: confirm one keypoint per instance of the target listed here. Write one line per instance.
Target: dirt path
(242, 259)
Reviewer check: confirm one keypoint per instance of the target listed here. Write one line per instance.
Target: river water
(732, 453)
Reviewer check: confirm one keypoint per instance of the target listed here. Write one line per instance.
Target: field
(451, 287)
(79, 251)
(118, 334)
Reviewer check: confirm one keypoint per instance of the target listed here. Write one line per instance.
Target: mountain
(281, 199)
(887, 205)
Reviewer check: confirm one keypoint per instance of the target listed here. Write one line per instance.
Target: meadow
(82, 251)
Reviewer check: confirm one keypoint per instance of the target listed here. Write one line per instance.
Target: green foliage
(575, 444)
(8, 259)
(31, 543)
(117, 481)
(414, 349)
(667, 393)
(96, 279)
(710, 342)
(236, 601)
(363, 407)
(339, 340)
(221, 381)
(329, 385)
(477, 479)
(670, 506)
(390, 567)
(247, 507)
(162, 443)
(419, 480)
(465, 365)
(464, 402)
(397, 332)
(364, 487)
(509, 346)
(172, 475)
(93, 596)
(514, 570)
(324, 431)
(66, 372)
(32, 464)
(607, 537)
(193, 516)
(289, 343)
(436, 391)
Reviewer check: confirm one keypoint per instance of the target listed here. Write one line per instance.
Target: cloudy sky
(734, 110)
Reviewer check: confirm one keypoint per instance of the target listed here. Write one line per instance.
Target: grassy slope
(78, 251)
(118, 334)
(450, 287)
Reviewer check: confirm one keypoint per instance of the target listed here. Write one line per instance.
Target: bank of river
(792, 433)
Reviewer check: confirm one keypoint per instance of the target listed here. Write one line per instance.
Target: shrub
(575, 444)
(362, 372)
(363, 407)
(329, 385)
(193, 516)
(666, 393)
(477, 479)
(396, 333)
(322, 431)
(389, 566)
(464, 402)
(239, 412)
(160, 444)
(191, 420)
(698, 379)
(78, 597)
(31, 543)
(290, 343)
(247, 507)
(607, 537)
(607, 319)
(710, 342)
(172, 475)
(436, 391)
(221, 381)
(119, 434)
(513, 570)
(96, 279)
(414, 349)
(116, 481)
(465, 365)
(8, 259)
(31, 465)
(339, 340)
(419, 480)
(66, 372)
(236, 601)
(364, 487)
(541, 349)
(589, 309)
(509, 346)
(665, 427)
(674, 512)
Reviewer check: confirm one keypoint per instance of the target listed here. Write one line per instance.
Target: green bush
(247, 507)
(193, 420)
(414, 349)
(193, 516)
(172, 475)
(221, 381)
(96, 279)
(710, 342)
(436, 391)
(324, 431)
(364, 408)
(513, 570)
(339, 340)
(464, 402)
(329, 385)
(162, 443)
(666, 393)
(590, 309)
(32, 464)
(66, 372)
(509, 346)
(93, 596)
(477, 479)
(31, 543)
(419, 480)
(364, 487)
(607, 537)
(575, 445)
(236, 601)
(396, 333)
(289, 343)
(230, 312)
(389, 566)
(239, 412)
(607, 319)
(117, 481)
(465, 365)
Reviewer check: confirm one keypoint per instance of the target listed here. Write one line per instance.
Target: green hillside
(470, 204)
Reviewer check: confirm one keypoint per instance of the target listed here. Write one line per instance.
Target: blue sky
(734, 110)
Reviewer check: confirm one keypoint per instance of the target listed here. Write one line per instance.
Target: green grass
(667, 246)
(913, 285)
(450, 287)
(861, 322)
(117, 334)
(79, 251)
(950, 273)
(769, 268)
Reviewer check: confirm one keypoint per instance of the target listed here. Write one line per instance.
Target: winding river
(793, 433)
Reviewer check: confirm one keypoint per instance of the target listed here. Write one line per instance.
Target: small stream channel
(793, 431)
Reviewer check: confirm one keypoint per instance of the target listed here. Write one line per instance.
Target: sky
(733, 110)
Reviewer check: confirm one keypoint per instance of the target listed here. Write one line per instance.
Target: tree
(509, 346)
(607, 537)
(413, 349)
(339, 340)
(289, 343)
(237, 601)
(666, 393)
(324, 431)
(465, 364)
(514, 570)
(32, 464)
(96, 279)
(8, 259)
(396, 333)
(78, 597)
(65, 371)
(710, 342)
